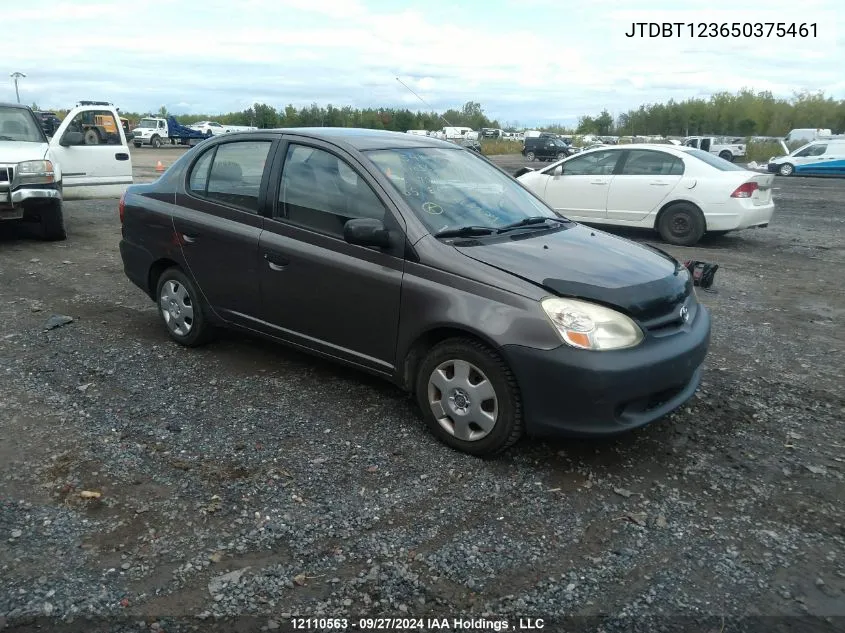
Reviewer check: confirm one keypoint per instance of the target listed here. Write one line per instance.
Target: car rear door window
(320, 192)
(643, 162)
(235, 174)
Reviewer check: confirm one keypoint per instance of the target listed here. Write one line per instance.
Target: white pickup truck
(87, 157)
(723, 147)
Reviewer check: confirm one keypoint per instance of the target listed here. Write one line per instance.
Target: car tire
(180, 308)
(137, 144)
(155, 142)
(463, 366)
(51, 221)
(681, 224)
(725, 154)
(787, 169)
(530, 156)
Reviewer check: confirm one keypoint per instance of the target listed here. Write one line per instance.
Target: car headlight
(590, 326)
(35, 172)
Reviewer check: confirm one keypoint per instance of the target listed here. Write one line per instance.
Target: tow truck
(153, 131)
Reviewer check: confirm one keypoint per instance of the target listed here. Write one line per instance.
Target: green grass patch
(493, 147)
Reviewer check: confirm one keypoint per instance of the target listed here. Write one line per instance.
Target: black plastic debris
(703, 273)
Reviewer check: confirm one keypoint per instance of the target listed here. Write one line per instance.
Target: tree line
(745, 113)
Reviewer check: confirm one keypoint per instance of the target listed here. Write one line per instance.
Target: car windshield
(148, 123)
(714, 161)
(449, 189)
(17, 124)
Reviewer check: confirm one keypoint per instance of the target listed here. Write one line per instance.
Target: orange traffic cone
(159, 166)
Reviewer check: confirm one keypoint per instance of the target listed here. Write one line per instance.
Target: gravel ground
(145, 481)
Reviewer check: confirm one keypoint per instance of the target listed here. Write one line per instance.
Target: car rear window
(714, 161)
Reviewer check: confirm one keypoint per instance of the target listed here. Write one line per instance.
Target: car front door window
(318, 290)
(592, 164)
(321, 192)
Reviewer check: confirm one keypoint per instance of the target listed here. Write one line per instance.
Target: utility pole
(15, 76)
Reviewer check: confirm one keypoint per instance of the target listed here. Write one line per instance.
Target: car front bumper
(12, 202)
(571, 392)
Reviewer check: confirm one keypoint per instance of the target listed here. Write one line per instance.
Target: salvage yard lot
(322, 486)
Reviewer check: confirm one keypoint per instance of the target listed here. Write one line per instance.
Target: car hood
(580, 262)
(19, 151)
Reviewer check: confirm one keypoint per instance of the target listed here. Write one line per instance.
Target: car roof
(21, 106)
(358, 138)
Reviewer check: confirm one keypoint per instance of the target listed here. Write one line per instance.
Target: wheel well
(669, 205)
(420, 347)
(156, 269)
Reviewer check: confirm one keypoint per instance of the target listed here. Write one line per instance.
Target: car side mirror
(558, 171)
(72, 138)
(366, 232)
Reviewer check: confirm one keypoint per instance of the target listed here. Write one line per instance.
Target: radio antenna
(423, 100)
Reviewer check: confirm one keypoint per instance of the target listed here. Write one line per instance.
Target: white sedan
(681, 192)
(206, 127)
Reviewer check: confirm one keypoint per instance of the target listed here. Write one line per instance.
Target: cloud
(524, 60)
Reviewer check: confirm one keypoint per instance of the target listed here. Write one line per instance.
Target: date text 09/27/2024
(723, 29)
(418, 624)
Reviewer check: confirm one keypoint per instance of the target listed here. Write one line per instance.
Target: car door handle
(189, 238)
(275, 262)
(598, 182)
(121, 156)
(657, 183)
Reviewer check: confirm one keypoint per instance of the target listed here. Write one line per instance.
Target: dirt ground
(246, 478)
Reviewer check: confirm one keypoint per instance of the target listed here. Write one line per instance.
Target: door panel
(100, 168)
(218, 226)
(317, 290)
(331, 296)
(643, 182)
(582, 190)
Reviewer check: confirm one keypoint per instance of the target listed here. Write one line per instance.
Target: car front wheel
(469, 397)
(530, 156)
(180, 308)
(786, 169)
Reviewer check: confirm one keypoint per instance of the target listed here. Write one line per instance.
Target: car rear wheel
(180, 308)
(681, 224)
(787, 169)
(469, 397)
(530, 156)
(727, 156)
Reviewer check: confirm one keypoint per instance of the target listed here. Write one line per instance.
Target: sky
(527, 62)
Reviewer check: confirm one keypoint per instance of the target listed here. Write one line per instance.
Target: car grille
(6, 174)
(672, 319)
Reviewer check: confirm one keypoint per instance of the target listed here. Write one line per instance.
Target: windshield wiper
(537, 219)
(466, 231)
